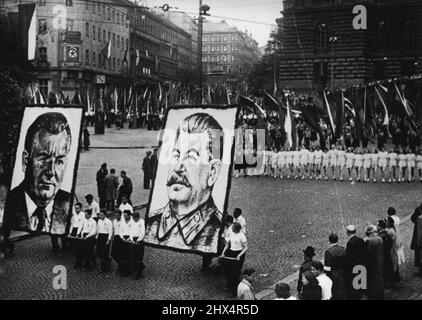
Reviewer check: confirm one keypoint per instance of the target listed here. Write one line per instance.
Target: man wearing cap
(374, 264)
(244, 289)
(309, 253)
(355, 252)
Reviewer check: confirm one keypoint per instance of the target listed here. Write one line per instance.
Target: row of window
(220, 48)
(157, 30)
(102, 35)
(217, 58)
(111, 64)
(225, 38)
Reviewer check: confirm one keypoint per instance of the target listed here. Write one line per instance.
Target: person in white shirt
(274, 163)
(419, 164)
(392, 164)
(2, 204)
(93, 206)
(283, 292)
(402, 165)
(374, 164)
(382, 163)
(88, 232)
(104, 236)
(326, 284)
(411, 164)
(350, 160)
(311, 164)
(237, 214)
(235, 249)
(137, 234)
(289, 162)
(325, 162)
(341, 161)
(318, 163)
(78, 217)
(125, 205)
(125, 233)
(358, 163)
(333, 160)
(304, 162)
(281, 162)
(117, 241)
(268, 155)
(367, 158)
(296, 162)
(244, 289)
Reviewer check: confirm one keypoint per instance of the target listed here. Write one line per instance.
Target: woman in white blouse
(234, 256)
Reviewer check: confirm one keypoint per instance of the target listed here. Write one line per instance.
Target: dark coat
(154, 164)
(414, 218)
(355, 251)
(101, 174)
(387, 260)
(335, 258)
(147, 165)
(374, 265)
(306, 266)
(311, 292)
(110, 186)
(16, 212)
(86, 138)
(126, 187)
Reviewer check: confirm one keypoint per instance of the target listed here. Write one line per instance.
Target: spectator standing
(283, 292)
(110, 185)
(374, 264)
(101, 174)
(125, 189)
(311, 289)
(416, 244)
(355, 252)
(334, 260)
(387, 245)
(245, 289)
(147, 168)
(309, 254)
(324, 281)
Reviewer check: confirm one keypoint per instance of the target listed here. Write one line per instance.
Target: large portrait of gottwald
(39, 199)
(191, 187)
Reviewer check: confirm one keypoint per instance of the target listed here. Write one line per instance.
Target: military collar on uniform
(191, 225)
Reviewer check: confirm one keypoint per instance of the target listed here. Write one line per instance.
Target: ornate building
(321, 48)
(227, 53)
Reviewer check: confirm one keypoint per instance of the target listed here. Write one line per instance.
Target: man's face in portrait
(44, 165)
(192, 170)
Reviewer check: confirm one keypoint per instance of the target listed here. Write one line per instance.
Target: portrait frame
(74, 114)
(197, 109)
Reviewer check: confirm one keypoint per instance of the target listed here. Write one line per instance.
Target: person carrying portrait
(125, 245)
(76, 222)
(234, 256)
(103, 237)
(87, 232)
(137, 233)
(117, 241)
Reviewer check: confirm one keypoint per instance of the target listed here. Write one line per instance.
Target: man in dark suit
(375, 262)
(110, 185)
(125, 189)
(38, 204)
(147, 168)
(190, 221)
(355, 256)
(334, 263)
(101, 174)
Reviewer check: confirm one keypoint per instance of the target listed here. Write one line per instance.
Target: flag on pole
(116, 100)
(160, 92)
(349, 106)
(333, 130)
(28, 29)
(288, 125)
(107, 50)
(137, 57)
(386, 117)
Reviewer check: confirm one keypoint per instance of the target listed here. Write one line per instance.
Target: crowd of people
(361, 164)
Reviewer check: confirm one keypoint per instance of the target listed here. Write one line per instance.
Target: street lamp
(203, 11)
(332, 40)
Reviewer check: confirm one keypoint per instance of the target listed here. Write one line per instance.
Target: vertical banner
(192, 184)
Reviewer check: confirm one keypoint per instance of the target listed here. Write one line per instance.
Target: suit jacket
(110, 185)
(197, 231)
(16, 212)
(101, 174)
(355, 251)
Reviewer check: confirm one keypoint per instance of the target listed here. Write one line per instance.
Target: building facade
(227, 53)
(188, 24)
(70, 40)
(322, 49)
(160, 50)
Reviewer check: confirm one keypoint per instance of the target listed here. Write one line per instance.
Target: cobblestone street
(283, 217)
